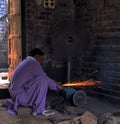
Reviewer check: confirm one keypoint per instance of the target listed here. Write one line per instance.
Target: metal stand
(69, 69)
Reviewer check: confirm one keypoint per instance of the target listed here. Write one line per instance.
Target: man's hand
(60, 87)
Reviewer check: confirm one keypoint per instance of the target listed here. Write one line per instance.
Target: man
(29, 85)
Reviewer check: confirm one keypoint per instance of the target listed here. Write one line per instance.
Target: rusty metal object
(74, 97)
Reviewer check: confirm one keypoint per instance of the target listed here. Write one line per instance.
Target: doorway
(3, 42)
(12, 15)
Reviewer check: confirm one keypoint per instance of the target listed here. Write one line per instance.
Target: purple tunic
(29, 85)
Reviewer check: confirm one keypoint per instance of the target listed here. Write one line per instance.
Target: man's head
(37, 54)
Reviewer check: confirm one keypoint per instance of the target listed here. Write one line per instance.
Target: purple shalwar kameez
(29, 85)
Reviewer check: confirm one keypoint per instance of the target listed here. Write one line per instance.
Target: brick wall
(39, 21)
(101, 18)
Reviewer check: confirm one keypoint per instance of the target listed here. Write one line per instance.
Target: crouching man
(29, 85)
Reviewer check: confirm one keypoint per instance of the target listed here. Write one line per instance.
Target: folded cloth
(44, 113)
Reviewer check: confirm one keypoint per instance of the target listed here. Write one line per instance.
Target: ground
(94, 105)
(56, 102)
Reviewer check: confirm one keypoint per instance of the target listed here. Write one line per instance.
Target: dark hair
(36, 51)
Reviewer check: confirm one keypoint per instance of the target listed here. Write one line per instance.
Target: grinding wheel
(79, 98)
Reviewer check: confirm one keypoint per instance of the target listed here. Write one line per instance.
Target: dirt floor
(57, 103)
(62, 112)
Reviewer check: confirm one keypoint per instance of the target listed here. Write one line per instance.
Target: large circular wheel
(69, 38)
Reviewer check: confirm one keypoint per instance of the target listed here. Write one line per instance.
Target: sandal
(44, 113)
